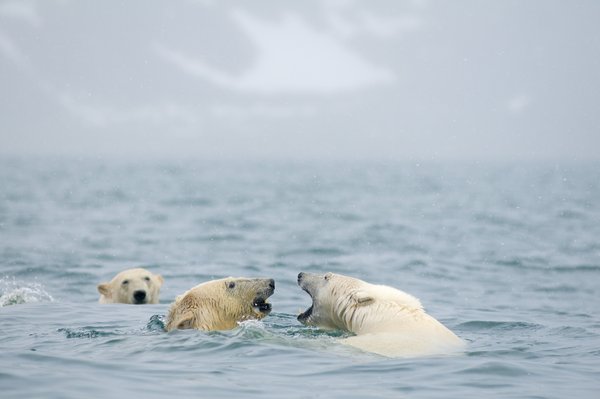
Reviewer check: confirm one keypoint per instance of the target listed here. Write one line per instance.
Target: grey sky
(313, 79)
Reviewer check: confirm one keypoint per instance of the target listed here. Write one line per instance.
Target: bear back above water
(385, 320)
(133, 286)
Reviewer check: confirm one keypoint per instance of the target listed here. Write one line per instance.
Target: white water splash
(14, 292)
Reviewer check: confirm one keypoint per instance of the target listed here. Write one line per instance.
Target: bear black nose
(139, 295)
(272, 284)
(300, 275)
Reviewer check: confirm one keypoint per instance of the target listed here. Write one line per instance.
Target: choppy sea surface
(505, 255)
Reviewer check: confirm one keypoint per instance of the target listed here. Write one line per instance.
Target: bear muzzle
(305, 281)
(260, 304)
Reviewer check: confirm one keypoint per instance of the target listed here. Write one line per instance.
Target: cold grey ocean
(507, 255)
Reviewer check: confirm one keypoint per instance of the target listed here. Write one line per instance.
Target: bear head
(350, 304)
(134, 286)
(221, 304)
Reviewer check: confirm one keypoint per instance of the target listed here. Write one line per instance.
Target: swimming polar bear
(221, 304)
(385, 320)
(133, 286)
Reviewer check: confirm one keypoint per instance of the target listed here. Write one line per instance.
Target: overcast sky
(338, 79)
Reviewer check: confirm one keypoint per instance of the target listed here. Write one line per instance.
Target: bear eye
(327, 276)
(231, 285)
(147, 278)
(125, 282)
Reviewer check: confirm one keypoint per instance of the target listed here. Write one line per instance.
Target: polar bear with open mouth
(384, 320)
(221, 304)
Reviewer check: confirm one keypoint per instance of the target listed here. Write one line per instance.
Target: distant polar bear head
(221, 304)
(134, 286)
(347, 303)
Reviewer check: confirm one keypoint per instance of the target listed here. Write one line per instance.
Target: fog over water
(450, 149)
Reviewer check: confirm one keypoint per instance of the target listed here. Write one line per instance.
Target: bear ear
(104, 289)
(159, 279)
(362, 298)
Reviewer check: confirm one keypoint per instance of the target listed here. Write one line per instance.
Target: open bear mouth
(260, 305)
(303, 317)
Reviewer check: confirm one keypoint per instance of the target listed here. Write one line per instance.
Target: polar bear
(385, 320)
(133, 286)
(221, 304)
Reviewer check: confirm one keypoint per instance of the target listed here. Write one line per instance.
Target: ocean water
(505, 255)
